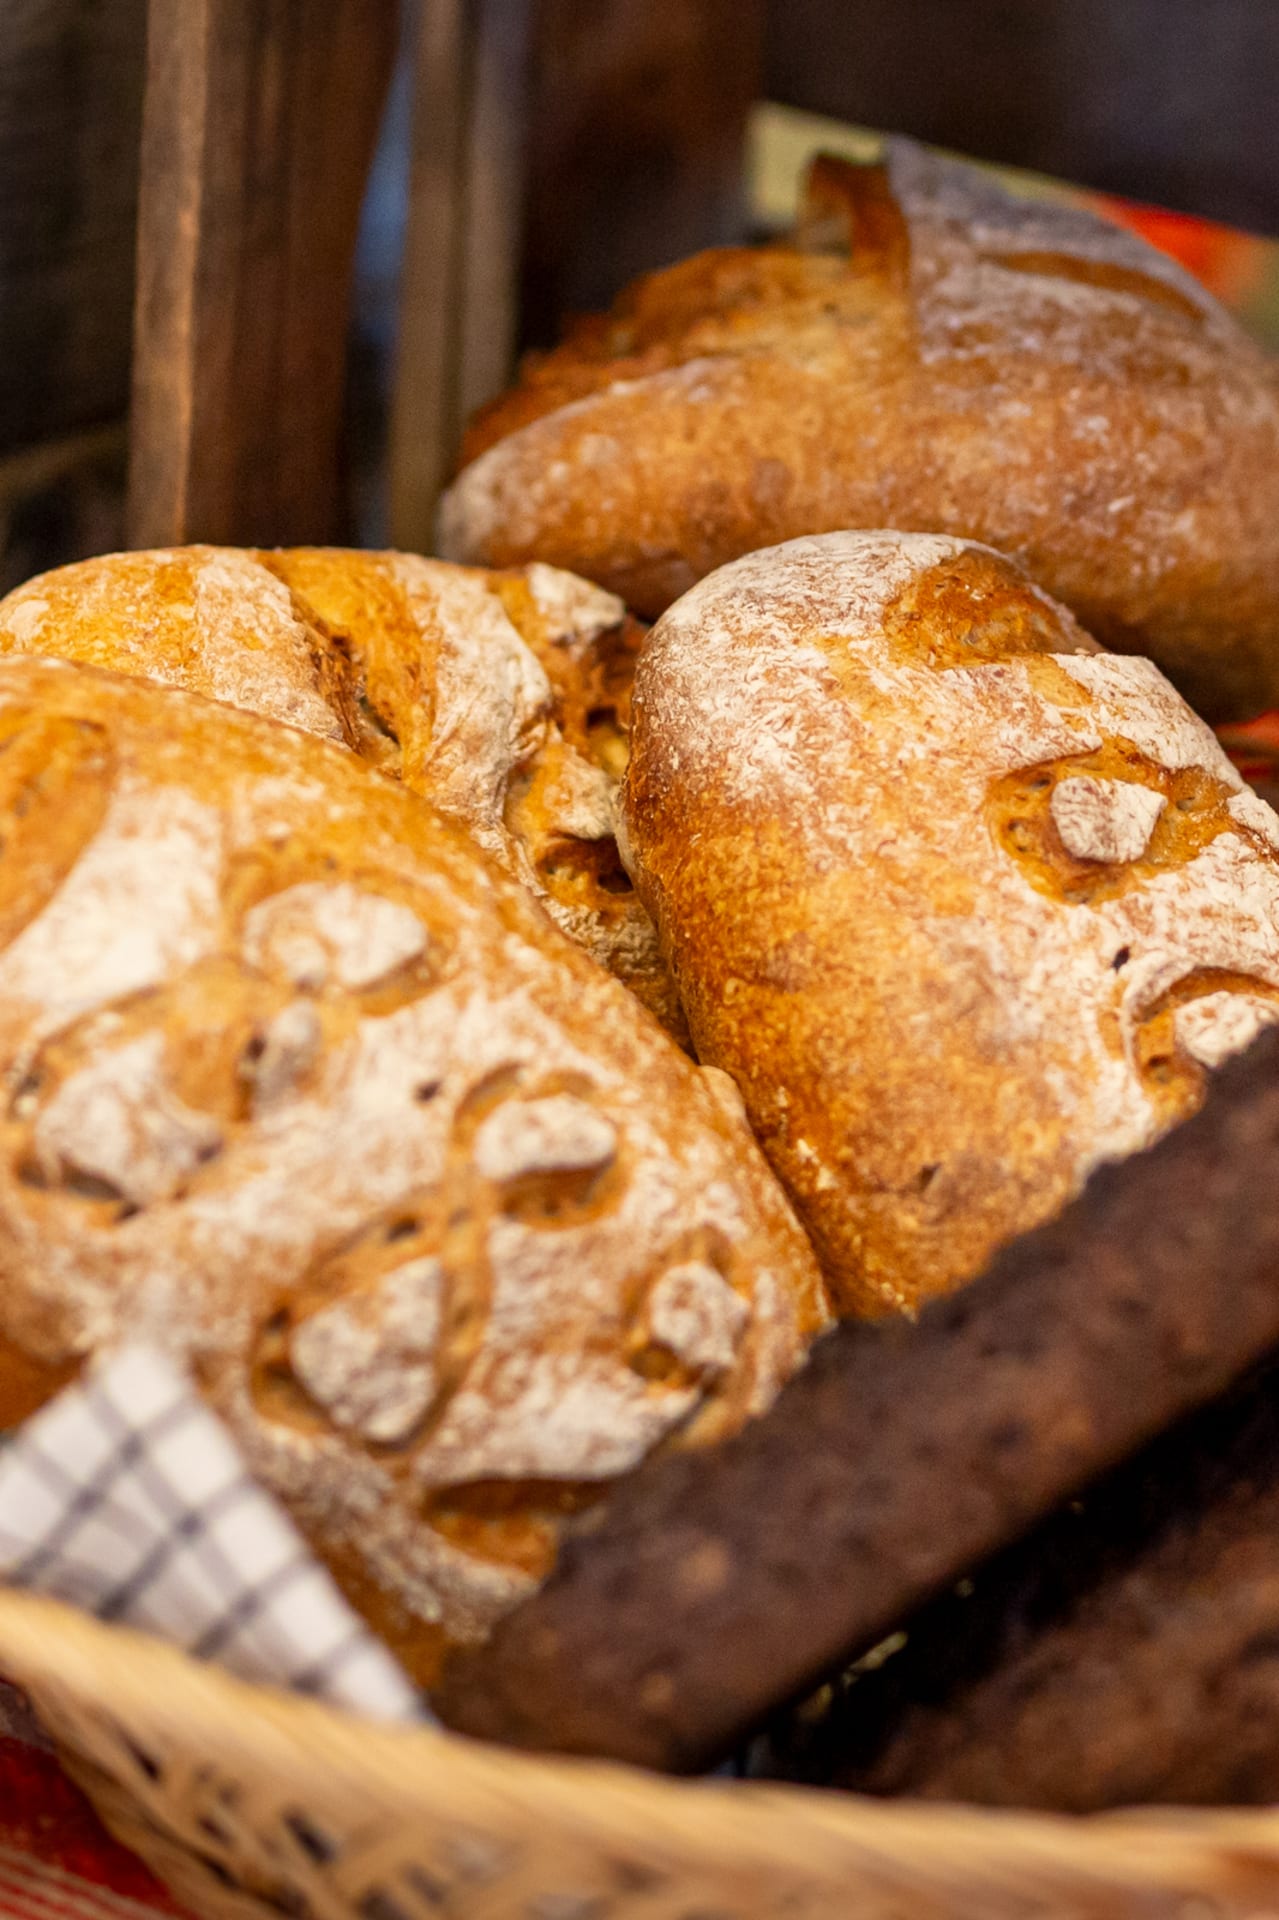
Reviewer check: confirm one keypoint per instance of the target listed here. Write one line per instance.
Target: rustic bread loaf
(708, 1591)
(300, 1087)
(963, 904)
(929, 353)
(502, 698)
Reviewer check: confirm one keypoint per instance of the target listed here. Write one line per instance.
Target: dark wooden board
(714, 1585)
(259, 125)
(70, 113)
(636, 144)
(460, 278)
(1170, 101)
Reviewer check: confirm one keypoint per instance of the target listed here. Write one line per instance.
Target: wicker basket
(250, 1803)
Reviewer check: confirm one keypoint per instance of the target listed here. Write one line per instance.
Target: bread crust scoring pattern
(959, 932)
(501, 698)
(299, 1086)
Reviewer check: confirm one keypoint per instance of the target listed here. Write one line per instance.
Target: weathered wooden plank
(637, 144)
(70, 114)
(560, 147)
(259, 124)
(1164, 100)
(460, 279)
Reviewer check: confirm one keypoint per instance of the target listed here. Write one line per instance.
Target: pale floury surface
(301, 1089)
(502, 698)
(928, 352)
(963, 903)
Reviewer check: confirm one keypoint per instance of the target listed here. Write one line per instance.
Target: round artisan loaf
(502, 698)
(964, 904)
(303, 1089)
(929, 353)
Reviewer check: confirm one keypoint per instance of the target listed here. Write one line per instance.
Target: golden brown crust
(300, 1087)
(931, 355)
(502, 698)
(962, 903)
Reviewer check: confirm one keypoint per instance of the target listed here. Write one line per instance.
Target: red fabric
(1254, 748)
(1233, 264)
(43, 1815)
(57, 1861)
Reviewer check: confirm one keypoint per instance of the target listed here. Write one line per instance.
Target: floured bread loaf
(964, 904)
(300, 1087)
(502, 698)
(928, 353)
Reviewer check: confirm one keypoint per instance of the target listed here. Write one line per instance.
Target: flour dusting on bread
(960, 932)
(302, 1089)
(927, 352)
(501, 698)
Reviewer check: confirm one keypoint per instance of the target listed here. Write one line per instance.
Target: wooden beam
(1164, 100)
(464, 242)
(259, 124)
(70, 122)
(560, 147)
(637, 144)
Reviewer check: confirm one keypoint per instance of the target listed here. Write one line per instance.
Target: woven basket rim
(71, 1663)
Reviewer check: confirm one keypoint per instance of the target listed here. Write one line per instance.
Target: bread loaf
(710, 1590)
(300, 1087)
(502, 698)
(963, 904)
(928, 353)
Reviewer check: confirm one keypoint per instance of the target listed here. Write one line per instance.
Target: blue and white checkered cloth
(126, 1496)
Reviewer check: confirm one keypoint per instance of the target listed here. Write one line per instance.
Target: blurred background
(507, 163)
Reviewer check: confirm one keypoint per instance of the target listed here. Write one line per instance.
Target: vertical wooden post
(460, 279)
(637, 144)
(560, 147)
(259, 124)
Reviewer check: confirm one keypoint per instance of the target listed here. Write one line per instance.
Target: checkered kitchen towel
(126, 1496)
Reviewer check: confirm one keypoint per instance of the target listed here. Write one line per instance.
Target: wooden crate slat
(560, 147)
(259, 125)
(460, 279)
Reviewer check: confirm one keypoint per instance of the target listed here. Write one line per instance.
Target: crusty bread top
(944, 232)
(502, 698)
(933, 354)
(964, 904)
(304, 1089)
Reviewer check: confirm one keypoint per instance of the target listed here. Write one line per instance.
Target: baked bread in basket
(303, 1090)
(928, 353)
(338, 894)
